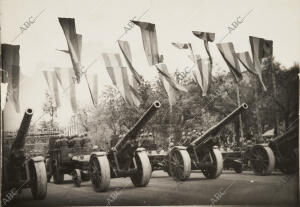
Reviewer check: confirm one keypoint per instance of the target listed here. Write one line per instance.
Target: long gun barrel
(204, 137)
(133, 132)
(18, 144)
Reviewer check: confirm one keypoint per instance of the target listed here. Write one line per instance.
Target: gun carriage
(24, 172)
(200, 153)
(124, 159)
(281, 152)
(69, 155)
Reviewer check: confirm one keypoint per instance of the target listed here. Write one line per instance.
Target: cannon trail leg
(263, 160)
(180, 164)
(76, 177)
(142, 177)
(215, 169)
(38, 180)
(99, 173)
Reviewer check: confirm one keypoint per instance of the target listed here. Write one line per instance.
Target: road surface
(229, 188)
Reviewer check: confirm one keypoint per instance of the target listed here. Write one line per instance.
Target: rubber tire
(38, 177)
(142, 177)
(238, 169)
(271, 162)
(102, 164)
(218, 161)
(77, 179)
(185, 158)
(58, 176)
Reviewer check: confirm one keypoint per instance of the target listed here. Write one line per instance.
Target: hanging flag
(246, 61)
(66, 78)
(185, 46)
(261, 48)
(203, 75)
(52, 83)
(206, 37)
(93, 89)
(171, 86)
(10, 64)
(149, 41)
(228, 53)
(119, 77)
(125, 48)
(74, 42)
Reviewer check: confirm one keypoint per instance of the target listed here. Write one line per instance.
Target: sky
(102, 22)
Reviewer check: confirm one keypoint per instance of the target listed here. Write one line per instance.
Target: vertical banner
(149, 41)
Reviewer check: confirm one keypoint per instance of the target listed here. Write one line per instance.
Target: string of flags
(128, 81)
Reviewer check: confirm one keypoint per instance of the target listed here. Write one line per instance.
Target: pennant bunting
(92, 81)
(246, 61)
(206, 37)
(119, 76)
(74, 42)
(10, 64)
(52, 82)
(163, 70)
(228, 53)
(125, 48)
(203, 75)
(149, 41)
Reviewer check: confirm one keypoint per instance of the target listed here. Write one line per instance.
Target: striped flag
(119, 77)
(10, 64)
(52, 83)
(149, 41)
(125, 48)
(66, 78)
(171, 86)
(185, 46)
(93, 79)
(74, 42)
(228, 53)
(203, 75)
(261, 48)
(246, 61)
(206, 37)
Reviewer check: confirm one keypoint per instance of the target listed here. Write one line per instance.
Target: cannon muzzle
(204, 137)
(133, 132)
(18, 144)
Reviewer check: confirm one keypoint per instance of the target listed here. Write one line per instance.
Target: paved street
(230, 188)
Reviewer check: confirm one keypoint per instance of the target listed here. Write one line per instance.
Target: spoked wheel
(179, 164)
(263, 160)
(58, 175)
(142, 176)
(38, 180)
(99, 173)
(76, 177)
(215, 169)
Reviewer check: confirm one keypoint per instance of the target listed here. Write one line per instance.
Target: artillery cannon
(281, 152)
(23, 172)
(200, 153)
(285, 148)
(69, 155)
(124, 159)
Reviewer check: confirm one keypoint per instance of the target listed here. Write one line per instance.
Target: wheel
(38, 179)
(142, 176)
(262, 160)
(58, 176)
(215, 169)
(238, 168)
(99, 173)
(180, 164)
(76, 177)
